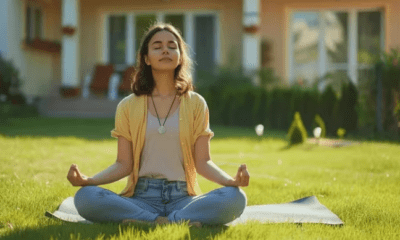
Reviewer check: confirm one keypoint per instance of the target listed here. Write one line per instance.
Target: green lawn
(359, 183)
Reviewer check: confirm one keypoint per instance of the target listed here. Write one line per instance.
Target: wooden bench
(101, 78)
(98, 81)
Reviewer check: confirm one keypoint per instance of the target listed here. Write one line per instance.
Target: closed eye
(169, 48)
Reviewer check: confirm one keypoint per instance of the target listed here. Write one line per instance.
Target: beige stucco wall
(41, 71)
(275, 23)
(93, 12)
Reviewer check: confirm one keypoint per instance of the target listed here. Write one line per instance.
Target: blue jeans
(160, 197)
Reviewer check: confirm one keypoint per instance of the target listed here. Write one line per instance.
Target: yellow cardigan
(131, 121)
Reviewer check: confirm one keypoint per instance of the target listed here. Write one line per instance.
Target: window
(34, 23)
(338, 43)
(117, 39)
(124, 33)
(178, 21)
(143, 22)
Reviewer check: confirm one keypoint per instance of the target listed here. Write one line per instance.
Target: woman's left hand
(242, 177)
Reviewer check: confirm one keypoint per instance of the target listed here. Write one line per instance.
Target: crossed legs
(219, 206)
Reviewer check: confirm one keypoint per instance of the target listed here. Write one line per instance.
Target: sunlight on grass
(359, 183)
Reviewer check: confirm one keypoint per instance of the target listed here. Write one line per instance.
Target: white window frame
(352, 65)
(32, 27)
(130, 35)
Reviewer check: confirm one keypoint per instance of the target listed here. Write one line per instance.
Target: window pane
(305, 32)
(204, 44)
(369, 36)
(306, 73)
(117, 39)
(336, 79)
(177, 21)
(336, 36)
(143, 22)
(28, 23)
(305, 38)
(38, 23)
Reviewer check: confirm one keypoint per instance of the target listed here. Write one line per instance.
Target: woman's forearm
(213, 173)
(113, 173)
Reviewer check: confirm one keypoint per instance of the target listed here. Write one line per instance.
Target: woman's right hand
(75, 177)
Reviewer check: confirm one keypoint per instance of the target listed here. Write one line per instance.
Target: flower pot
(251, 29)
(68, 30)
(69, 92)
(48, 46)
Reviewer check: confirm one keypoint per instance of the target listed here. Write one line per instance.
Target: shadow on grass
(303, 146)
(90, 129)
(99, 129)
(55, 230)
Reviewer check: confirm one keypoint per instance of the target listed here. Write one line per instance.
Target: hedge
(248, 106)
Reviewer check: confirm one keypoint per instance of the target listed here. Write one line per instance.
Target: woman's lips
(165, 59)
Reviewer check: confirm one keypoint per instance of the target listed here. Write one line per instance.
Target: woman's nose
(165, 50)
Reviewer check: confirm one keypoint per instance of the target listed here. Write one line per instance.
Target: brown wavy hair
(143, 81)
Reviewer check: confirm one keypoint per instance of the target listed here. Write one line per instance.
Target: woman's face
(163, 52)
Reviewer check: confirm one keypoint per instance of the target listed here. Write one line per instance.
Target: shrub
(306, 103)
(8, 76)
(347, 107)
(341, 132)
(261, 107)
(319, 122)
(391, 88)
(217, 89)
(327, 106)
(280, 107)
(297, 133)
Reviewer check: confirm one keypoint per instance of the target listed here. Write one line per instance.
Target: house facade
(57, 43)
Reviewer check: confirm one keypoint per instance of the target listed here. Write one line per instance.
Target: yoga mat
(304, 210)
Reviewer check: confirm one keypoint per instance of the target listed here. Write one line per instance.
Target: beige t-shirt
(131, 123)
(162, 154)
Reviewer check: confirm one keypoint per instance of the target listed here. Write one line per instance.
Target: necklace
(162, 129)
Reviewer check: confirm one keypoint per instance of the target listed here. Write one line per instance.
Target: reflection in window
(38, 23)
(369, 32)
(34, 23)
(336, 36)
(305, 46)
(177, 20)
(336, 79)
(28, 23)
(143, 22)
(305, 37)
(321, 45)
(117, 39)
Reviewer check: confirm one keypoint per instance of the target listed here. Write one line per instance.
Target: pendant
(161, 130)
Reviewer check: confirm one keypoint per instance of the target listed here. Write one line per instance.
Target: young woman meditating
(163, 142)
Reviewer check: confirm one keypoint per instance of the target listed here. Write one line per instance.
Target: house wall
(93, 12)
(39, 71)
(275, 23)
(42, 72)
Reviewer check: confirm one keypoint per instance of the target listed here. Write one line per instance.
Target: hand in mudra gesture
(242, 177)
(75, 177)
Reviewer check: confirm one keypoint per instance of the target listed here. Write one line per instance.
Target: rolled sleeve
(202, 120)
(122, 122)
